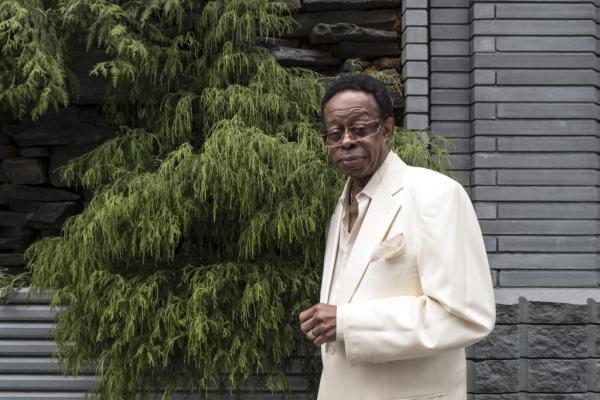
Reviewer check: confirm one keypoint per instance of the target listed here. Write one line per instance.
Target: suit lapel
(333, 237)
(381, 213)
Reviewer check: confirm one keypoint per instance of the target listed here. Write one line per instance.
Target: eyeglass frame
(352, 136)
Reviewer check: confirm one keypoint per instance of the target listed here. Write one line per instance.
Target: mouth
(349, 161)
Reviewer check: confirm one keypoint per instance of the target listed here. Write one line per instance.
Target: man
(406, 283)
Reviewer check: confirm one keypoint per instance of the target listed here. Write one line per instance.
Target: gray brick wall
(525, 97)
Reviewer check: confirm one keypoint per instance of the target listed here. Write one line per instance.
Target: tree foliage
(205, 234)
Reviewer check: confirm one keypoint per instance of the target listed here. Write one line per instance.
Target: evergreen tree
(205, 235)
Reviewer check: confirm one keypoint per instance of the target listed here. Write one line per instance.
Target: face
(357, 159)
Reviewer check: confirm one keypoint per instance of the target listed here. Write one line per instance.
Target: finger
(306, 314)
(308, 325)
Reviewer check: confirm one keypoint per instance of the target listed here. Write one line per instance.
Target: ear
(388, 127)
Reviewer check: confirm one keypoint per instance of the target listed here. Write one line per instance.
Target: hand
(321, 320)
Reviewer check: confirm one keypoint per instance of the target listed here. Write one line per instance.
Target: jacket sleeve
(457, 307)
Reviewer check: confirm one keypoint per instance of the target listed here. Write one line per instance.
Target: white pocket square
(389, 248)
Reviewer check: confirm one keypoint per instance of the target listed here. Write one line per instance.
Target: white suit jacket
(416, 290)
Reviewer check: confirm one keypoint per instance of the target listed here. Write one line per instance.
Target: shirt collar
(371, 187)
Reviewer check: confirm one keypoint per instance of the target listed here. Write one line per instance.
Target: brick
(483, 11)
(459, 145)
(483, 44)
(549, 278)
(549, 210)
(533, 60)
(565, 44)
(414, 18)
(463, 178)
(543, 261)
(484, 77)
(535, 94)
(415, 34)
(486, 210)
(553, 227)
(549, 244)
(491, 243)
(556, 341)
(416, 87)
(449, 32)
(536, 127)
(449, 16)
(483, 111)
(496, 376)
(533, 160)
(449, 80)
(536, 193)
(540, 312)
(534, 27)
(416, 121)
(414, 69)
(451, 96)
(449, 3)
(553, 177)
(546, 11)
(482, 177)
(502, 343)
(415, 52)
(546, 77)
(557, 375)
(450, 113)
(450, 48)
(451, 129)
(451, 64)
(547, 110)
(416, 104)
(483, 143)
(408, 4)
(460, 161)
(549, 143)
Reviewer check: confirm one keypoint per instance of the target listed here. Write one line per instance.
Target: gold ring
(310, 335)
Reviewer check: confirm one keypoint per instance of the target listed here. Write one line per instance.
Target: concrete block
(451, 96)
(496, 376)
(481, 177)
(459, 145)
(414, 18)
(531, 60)
(415, 52)
(449, 3)
(449, 16)
(450, 113)
(460, 161)
(415, 69)
(491, 243)
(416, 104)
(450, 32)
(533, 27)
(556, 341)
(483, 11)
(534, 160)
(411, 4)
(416, 87)
(502, 343)
(541, 312)
(451, 129)
(530, 77)
(545, 11)
(450, 64)
(557, 376)
(549, 210)
(483, 111)
(552, 177)
(553, 227)
(486, 210)
(416, 121)
(484, 77)
(549, 143)
(549, 278)
(541, 261)
(535, 94)
(483, 143)
(450, 48)
(547, 110)
(484, 44)
(549, 244)
(507, 313)
(536, 193)
(536, 127)
(463, 178)
(415, 34)
(527, 43)
(446, 80)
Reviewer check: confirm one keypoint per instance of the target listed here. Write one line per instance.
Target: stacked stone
(538, 350)
(336, 37)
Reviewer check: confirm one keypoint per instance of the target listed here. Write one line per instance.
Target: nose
(347, 140)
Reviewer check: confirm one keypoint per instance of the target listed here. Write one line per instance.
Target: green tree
(205, 234)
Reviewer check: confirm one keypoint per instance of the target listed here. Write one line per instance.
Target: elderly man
(406, 283)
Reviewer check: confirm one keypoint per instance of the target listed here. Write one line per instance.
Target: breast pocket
(391, 248)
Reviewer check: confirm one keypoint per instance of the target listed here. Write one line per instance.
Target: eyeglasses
(357, 132)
